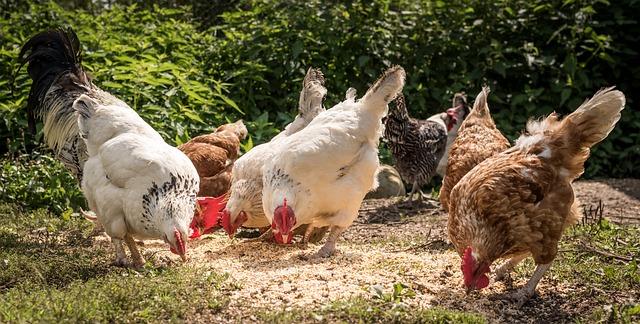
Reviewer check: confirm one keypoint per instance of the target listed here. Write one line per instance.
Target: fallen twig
(605, 253)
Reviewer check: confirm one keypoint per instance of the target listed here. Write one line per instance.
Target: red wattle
(482, 282)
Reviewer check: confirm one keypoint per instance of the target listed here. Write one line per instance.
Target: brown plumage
(213, 156)
(478, 138)
(518, 202)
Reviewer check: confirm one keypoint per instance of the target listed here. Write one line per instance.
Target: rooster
(416, 145)
(213, 156)
(458, 112)
(138, 185)
(478, 139)
(320, 175)
(518, 203)
(244, 207)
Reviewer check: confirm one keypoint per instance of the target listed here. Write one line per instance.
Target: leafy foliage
(537, 56)
(36, 181)
(150, 59)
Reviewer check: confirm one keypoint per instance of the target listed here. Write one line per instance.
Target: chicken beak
(183, 257)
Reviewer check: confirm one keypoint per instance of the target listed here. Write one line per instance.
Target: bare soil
(400, 242)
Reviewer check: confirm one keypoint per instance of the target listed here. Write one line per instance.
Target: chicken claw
(121, 257)
(521, 296)
(329, 248)
(504, 270)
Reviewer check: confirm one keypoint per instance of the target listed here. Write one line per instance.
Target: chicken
(138, 185)
(458, 112)
(213, 156)
(416, 145)
(244, 207)
(478, 139)
(320, 175)
(518, 202)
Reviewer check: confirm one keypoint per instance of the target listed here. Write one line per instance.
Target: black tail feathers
(49, 54)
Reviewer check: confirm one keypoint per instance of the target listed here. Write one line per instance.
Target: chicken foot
(525, 293)
(138, 260)
(416, 189)
(329, 248)
(503, 271)
(121, 257)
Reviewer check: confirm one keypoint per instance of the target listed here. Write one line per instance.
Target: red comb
(467, 264)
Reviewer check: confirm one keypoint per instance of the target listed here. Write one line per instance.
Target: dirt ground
(399, 242)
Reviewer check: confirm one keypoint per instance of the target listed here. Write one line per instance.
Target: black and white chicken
(138, 185)
(416, 145)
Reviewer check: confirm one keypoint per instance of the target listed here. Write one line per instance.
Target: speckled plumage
(478, 139)
(417, 145)
(518, 202)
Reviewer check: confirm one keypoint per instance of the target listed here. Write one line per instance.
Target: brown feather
(478, 139)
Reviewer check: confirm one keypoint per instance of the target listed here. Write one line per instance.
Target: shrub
(36, 181)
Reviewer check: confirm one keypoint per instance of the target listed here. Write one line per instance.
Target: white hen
(138, 185)
(244, 207)
(320, 175)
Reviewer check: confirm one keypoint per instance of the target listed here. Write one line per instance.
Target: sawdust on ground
(395, 242)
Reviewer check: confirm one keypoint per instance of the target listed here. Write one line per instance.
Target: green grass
(50, 272)
(576, 263)
(363, 310)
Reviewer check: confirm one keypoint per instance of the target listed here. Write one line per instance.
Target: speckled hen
(518, 202)
(416, 145)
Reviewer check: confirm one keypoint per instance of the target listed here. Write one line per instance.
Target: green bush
(186, 71)
(537, 56)
(37, 181)
(151, 59)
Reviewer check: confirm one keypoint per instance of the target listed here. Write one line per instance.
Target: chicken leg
(416, 189)
(329, 248)
(138, 260)
(525, 293)
(121, 257)
(314, 234)
(507, 267)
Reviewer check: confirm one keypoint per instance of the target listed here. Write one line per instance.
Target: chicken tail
(480, 106)
(569, 141)
(312, 94)
(50, 55)
(459, 99)
(384, 90)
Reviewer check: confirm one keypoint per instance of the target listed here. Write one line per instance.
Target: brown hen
(478, 139)
(213, 156)
(517, 203)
